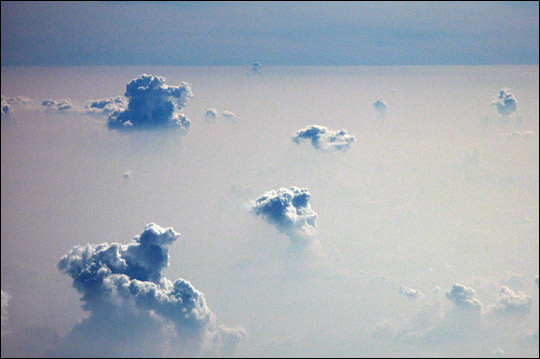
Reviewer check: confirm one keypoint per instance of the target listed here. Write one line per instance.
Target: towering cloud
(506, 103)
(289, 211)
(464, 297)
(324, 139)
(381, 106)
(134, 310)
(5, 316)
(510, 302)
(153, 104)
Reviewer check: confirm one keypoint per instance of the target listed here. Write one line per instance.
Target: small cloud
(256, 69)
(7, 109)
(323, 139)
(505, 103)
(464, 297)
(210, 115)
(153, 104)
(5, 313)
(60, 105)
(289, 211)
(229, 115)
(381, 106)
(411, 293)
(128, 174)
(510, 302)
(107, 106)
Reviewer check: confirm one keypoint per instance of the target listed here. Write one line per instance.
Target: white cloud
(506, 103)
(324, 139)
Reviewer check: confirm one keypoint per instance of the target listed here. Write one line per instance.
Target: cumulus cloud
(107, 105)
(381, 106)
(411, 293)
(510, 302)
(256, 69)
(153, 104)
(324, 139)
(60, 105)
(134, 310)
(128, 174)
(505, 103)
(5, 314)
(7, 109)
(229, 115)
(289, 211)
(464, 297)
(210, 115)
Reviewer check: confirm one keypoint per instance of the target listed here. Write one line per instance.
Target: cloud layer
(153, 104)
(324, 139)
(130, 302)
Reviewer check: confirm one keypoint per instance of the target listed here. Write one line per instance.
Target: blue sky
(274, 33)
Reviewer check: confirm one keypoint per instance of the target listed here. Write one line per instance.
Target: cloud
(107, 106)
(210, 115)
(5, 314)
(134, 310)
(411, 293)
(510, 302)
(506, 103)
(464, 297)
(517, 134)
(229, 115)
(289, 211)
(7, 109)
(256, 69)
(381, 106)
(128, 174)
(153, 104)
(60, 105)
(324, 139)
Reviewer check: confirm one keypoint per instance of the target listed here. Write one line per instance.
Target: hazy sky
(274, 33)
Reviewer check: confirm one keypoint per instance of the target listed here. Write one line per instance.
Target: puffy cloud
(464, 297)
(60, 105)
(7, 109)
(289, 211)
(128, 174)
(107, 106)
(153, 104)
(506, 103)
(5, 314)
(229, 115)
(411, 293)
(324, 139)
(381, 106)
(256, 69)
(510, 302)
(134, 310)
(210, 115)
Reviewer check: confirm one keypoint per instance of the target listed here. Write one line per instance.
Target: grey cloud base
(130, 302)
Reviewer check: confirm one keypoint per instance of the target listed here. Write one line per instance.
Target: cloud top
(464, 297)
(324, 139)
(288, 209)
(510, 302)
(505, 103)
(123, 284)
(153, 104)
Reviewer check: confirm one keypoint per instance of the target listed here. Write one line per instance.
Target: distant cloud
(256, 69)
(289, 211)
(381, 106)
(517, 134)
(134, 310)
(505, 103)
(411, 293)
(229, 115)
(128, 174)
(153, 104)
(7, 109)
(464, 297)
(210, 115)
(108, 105)
(5, 314)
(324, 139)
(510, 302)
(60, 105)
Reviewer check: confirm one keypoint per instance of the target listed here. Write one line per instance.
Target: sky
(274, 33)
(249, 206)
